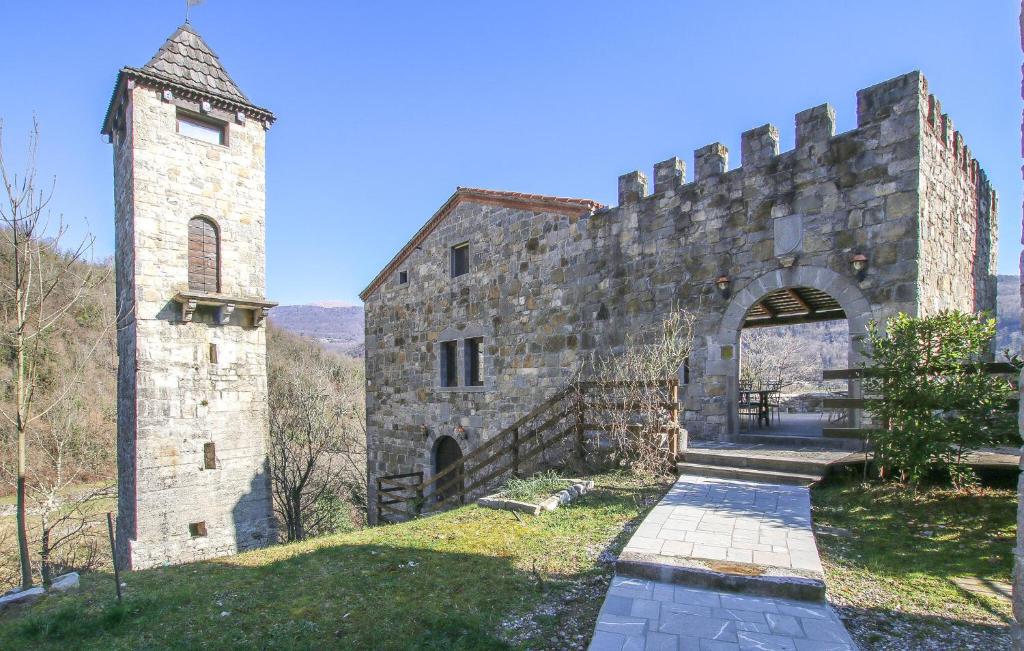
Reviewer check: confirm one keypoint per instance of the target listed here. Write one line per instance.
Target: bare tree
(40, 283)
(629, 400)
(774, 355)
(317, 435)
(67, 450)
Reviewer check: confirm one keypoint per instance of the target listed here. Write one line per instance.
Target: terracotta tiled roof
(187, 65)
(534, 202)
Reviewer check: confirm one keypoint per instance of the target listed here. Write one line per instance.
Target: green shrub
(934, 400)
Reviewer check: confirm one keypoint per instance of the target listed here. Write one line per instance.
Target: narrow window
(209, 456)
(203, 256)
(213, 353)
(199, 128)
(449, 364)
(686, 371)
(197, 529)
(460, 259)
(403, 277)
(475, 362)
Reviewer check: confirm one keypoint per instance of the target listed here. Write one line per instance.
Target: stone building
(192, 387)
(492, 304)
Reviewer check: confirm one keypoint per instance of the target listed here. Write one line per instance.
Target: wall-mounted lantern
(722, 283)
(859, 264)
(461, 431)
(426, 432)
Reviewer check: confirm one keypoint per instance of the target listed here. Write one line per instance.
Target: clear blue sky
(384, 108)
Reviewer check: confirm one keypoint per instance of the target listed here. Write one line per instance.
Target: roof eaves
(159, 81)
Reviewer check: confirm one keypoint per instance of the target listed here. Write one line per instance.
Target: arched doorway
(799, 294)
(446, 453)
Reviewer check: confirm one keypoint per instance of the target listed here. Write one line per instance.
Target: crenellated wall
(547, 288)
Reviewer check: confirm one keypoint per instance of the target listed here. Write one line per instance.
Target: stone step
(816, 442)
(748, 474)
(740, 578)
(750, 459)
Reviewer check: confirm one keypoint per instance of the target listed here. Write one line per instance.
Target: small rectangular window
(475, 362)
(197, 529)
(449, 364)
(403, 277)
(460, 259)
(213, 353)
(199, 128)
(686, 370)
(209, 456)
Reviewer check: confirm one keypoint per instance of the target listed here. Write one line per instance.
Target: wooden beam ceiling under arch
(793, 305)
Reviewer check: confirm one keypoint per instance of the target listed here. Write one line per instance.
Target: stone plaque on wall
(789, 235)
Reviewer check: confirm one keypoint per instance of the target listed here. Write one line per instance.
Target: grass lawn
(892, 576)
(467, 579)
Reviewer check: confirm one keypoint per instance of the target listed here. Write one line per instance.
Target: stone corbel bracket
(188, 308)
(224, 315)
(226, 306)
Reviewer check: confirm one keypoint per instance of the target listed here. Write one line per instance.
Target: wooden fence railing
(395, 489)
(552, 432)
(860, 403)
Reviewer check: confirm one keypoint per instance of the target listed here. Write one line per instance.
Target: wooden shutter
(203, 256)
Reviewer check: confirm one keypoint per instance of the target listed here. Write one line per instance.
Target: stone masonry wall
(545, 290)
(514, 296)
(172, 398)
(959, 219)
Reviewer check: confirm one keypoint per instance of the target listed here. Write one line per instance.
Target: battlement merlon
(900, 105)
(632, 187)
(669, 174)
(758, 146)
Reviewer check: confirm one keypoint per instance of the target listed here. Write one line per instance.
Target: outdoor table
(763, 413)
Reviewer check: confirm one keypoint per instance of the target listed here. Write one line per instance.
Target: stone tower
(189, 182)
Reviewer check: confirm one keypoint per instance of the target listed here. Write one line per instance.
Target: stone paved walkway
(643, 615)
(710, 569)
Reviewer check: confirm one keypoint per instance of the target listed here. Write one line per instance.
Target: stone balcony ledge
(226, 305)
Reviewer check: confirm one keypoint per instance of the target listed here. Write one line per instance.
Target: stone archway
(723, 349)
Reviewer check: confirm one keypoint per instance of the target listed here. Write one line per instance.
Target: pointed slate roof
(187, 60)
(186, 65)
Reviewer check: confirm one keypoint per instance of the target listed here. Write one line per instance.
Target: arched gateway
(801, 294)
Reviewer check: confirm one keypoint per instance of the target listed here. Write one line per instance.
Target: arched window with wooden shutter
(203, 256)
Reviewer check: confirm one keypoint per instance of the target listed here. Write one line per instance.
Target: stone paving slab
(642, 615)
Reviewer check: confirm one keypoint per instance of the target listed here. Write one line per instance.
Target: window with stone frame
(449, 364)
(203, 256)
(460, 259)
(474, 356)
(201, 128)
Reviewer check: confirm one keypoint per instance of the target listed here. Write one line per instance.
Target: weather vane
(189, 4)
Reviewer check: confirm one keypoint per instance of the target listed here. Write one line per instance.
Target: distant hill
(1008, 313)
(340, 327)
(337, 327)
